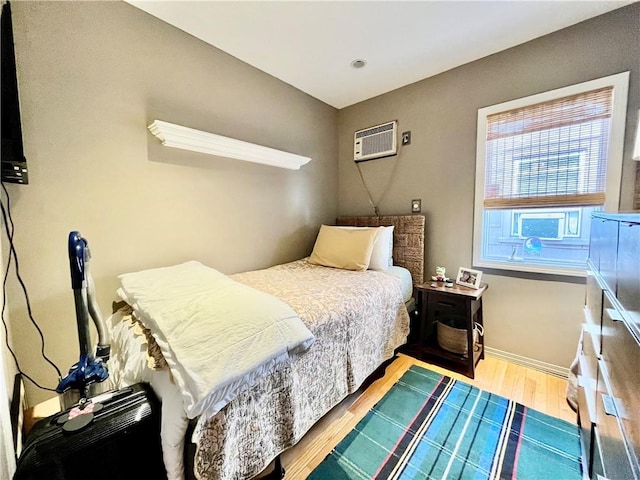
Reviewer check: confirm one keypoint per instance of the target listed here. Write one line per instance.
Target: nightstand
(448, 318)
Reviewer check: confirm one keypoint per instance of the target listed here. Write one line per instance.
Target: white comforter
(217, 335)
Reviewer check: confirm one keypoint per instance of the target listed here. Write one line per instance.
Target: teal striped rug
(429, 426)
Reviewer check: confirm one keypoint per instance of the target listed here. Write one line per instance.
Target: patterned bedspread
(358, 318)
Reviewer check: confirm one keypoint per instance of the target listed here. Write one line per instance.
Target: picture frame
(469, 277)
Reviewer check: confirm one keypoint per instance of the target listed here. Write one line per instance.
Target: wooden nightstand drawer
(445, 305)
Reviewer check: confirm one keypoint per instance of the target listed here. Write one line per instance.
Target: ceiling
(311, 44)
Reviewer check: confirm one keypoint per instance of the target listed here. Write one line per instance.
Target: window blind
(549, 154)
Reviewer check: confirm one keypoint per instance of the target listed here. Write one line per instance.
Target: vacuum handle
(77, 246)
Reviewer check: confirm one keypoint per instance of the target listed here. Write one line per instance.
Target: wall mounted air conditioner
(375, 142)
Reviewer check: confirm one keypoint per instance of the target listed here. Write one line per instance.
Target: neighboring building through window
(544, 164)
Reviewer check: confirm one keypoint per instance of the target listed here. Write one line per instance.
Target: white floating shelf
(187, 138)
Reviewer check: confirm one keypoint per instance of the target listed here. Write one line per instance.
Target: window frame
(620, 84)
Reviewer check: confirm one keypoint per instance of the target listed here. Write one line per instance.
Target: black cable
(12, 253)
(6, 334)
(386, 187)
(19, 277)
(375, 207)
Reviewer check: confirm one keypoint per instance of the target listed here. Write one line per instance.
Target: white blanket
(218, 336)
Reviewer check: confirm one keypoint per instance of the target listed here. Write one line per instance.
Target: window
(544, 163)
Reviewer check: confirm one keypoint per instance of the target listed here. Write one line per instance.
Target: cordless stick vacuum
(91, 369)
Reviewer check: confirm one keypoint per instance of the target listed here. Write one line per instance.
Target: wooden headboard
(408, 239)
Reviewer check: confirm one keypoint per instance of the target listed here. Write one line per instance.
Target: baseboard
(549, 368)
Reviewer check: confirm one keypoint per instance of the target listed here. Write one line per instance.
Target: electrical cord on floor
(9, 229)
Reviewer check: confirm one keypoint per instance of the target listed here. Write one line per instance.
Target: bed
(345, 324)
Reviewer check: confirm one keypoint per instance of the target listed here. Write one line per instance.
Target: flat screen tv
(12, 159)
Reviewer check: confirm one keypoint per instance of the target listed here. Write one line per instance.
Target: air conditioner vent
(375, 142)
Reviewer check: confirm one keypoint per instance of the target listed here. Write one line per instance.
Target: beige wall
(92, 76)
(525, 315)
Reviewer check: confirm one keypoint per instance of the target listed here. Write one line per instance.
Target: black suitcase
(121, 442)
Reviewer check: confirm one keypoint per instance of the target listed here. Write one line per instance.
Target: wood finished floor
(529, 387)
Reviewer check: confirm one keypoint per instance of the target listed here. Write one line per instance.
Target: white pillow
(382, 254)
(342, 248)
